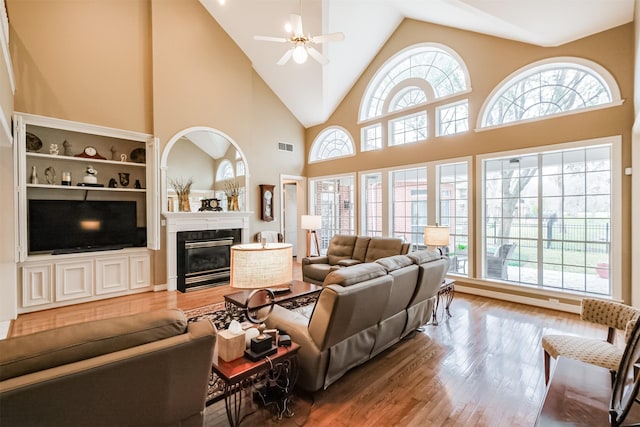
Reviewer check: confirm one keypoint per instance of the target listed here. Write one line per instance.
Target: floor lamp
(311, 223)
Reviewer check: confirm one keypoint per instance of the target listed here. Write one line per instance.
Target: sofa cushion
(59, 346)
(360, 248)
(425, 255)
(380, 247)
(317, 272)
(355, 274)
(340, 247)
(392, 263)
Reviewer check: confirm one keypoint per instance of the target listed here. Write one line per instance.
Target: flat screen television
(68, 226)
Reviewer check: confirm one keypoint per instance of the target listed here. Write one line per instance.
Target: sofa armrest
(315, 260)
(348, 262)
(294, 324)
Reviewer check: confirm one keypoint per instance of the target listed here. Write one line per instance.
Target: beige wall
(87, 61)
(489, 60)
(154, 66)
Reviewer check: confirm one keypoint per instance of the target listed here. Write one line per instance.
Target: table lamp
(311, 223)
(436, 236)
(263, 270)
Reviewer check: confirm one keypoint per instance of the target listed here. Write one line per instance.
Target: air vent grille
(285, 146)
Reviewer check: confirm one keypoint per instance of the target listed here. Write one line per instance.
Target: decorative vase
(183, 202)
(34, 175)
(232, 203)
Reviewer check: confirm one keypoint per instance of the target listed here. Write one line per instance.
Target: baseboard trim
(536, 302)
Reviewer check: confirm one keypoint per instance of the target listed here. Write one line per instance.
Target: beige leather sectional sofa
(144, 369)
(361, 311)
(347, 250)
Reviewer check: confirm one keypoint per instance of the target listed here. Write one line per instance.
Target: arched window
(548, 88)
(331, 143)
(225, 170)
(416, 75)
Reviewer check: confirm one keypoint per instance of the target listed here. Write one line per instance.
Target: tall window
(550, 88)
(333, 199)
(372, 204)
(331, 143)
(453, 200)
(547, 218)
(409, 202)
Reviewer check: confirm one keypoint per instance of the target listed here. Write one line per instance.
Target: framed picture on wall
(266, 202)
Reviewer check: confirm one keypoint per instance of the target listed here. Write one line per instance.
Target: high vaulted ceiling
(312, 91)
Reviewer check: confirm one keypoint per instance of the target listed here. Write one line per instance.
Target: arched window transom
(331, 143)
(547, 89)
(440, 69)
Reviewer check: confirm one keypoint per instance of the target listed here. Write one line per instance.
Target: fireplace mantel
(195, 221)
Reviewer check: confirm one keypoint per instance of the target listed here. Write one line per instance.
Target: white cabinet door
(37, 285)
(74, 279)
(112, 275)
(140, 271)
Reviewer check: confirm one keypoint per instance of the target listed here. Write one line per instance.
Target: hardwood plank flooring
(481, 367)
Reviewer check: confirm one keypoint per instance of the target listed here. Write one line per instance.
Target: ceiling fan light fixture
(300, 54)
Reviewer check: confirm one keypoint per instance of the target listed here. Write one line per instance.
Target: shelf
(85, 160)
(75, 187)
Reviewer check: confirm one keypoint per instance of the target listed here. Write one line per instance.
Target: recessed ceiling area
(312, 91)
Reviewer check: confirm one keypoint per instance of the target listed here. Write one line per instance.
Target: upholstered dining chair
(615, 316)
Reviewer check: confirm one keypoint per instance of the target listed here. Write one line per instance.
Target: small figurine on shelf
(112, 183)
(113, 153)
(90, 177)
(67, 148)
(53, 149)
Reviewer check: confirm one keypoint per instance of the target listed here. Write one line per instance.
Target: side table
(446, 291)
(242, 375)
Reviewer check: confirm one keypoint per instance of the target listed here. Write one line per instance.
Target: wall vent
(285, 146)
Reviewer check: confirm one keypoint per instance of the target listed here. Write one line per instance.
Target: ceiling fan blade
(296, 23)
(271, 39)
(324, 38)
(285, 58)
(317, 55)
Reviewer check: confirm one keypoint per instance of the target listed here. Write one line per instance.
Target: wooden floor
(481, 367)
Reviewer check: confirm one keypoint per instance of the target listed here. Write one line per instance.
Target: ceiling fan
(301, 44)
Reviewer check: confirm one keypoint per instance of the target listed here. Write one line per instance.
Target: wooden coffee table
(237, 301)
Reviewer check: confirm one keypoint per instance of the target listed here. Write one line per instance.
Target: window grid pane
(408, 129)
(332, 199)
(453, 118)
(453, 188)
(409, 204)
(372, 137)
(372, 204)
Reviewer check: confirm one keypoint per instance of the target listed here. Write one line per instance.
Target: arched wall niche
(196, 153)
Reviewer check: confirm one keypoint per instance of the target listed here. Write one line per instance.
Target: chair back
(627, 381)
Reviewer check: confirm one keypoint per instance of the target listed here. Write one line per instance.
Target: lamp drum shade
(436, 236)
(311, 222)
(254, 266)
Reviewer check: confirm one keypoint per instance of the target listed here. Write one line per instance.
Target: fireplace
(178, 222)
(203, 257)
